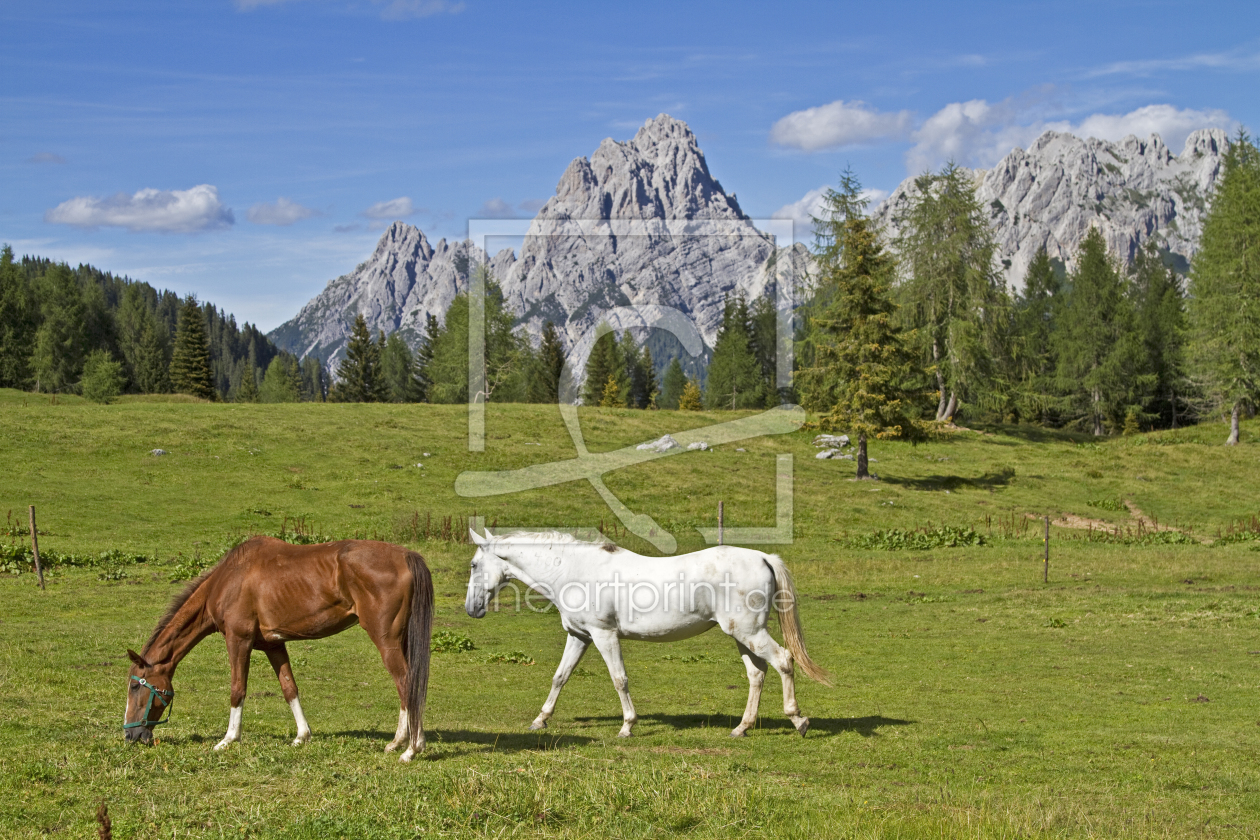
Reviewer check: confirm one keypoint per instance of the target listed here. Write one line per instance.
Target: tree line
(921, 330)
(66, 329)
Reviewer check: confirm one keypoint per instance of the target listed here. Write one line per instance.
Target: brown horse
(265, 592)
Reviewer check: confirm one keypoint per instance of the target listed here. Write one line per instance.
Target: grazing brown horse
(266, 592)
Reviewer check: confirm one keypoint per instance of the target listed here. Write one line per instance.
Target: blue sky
(250, 151)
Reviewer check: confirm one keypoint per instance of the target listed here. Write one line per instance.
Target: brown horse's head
(149, 695)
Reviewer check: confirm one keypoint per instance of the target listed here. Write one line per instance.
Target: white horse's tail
(790, 620)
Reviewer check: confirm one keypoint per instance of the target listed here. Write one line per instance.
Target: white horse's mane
(549, 537)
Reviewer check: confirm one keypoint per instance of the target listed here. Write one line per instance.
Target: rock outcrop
(1049, 195)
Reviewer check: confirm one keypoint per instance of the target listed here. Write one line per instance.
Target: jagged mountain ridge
(639, 222)
(1134, 190)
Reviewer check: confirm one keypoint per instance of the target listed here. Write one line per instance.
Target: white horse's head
(487, 576)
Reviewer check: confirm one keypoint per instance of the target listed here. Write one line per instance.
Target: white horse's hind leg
(400, 734)
(609, 647)
(573, 650)
(756, 667)
(763, 644)
(234, 729)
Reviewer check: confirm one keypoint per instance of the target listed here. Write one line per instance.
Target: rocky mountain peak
(1133, 190)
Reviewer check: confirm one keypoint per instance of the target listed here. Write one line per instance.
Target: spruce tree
(1036, 308)
(59, 341)
(1160, 315)
(359, 377)
(507, 355)
(672, 384)
(544, 385)
(857, 381)
(1225, 287)
(734, 374)
(1096, 344)
(605, 360)
(314, 380)
(190, 371)
(398, 366)
(763, 336)
(102, 377)
(247, 390)
(424, 356)
(952, 293)
(647, 370)
(143, 342)
(17, 324)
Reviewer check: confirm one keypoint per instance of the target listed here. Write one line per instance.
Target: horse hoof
(301, 739)
(538, 724)
(406, 757)
(222, 745)
(625, 733)
(803, 726)
(737, 733)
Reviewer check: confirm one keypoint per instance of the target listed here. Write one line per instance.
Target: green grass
(972, 700)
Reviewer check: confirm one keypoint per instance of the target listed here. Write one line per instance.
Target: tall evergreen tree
(59, 340)
(283, 381)
(1033, 346)
(604, 361)
(672, 384)
(424, 355)
(102, 377)
(398, 366)
(190, 359)
(359, 377)
(1160, 320)
(1096, 344)
(646, 369)
(952, 293)
(763, 336)
(734, 375)
(247, 390)
(544, 384)
(17, 323)
(1225, 287)
(861, 365)
(314, 380)
(143, 343)
(507, 356)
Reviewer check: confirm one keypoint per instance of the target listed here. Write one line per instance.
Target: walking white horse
(605, 594)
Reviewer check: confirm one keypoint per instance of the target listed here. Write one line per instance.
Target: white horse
(605, 594)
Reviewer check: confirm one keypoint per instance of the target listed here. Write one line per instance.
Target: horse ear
(137, 658)
(476, 538)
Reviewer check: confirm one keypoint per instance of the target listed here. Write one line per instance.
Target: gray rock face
(640, 222)
(1052, 193)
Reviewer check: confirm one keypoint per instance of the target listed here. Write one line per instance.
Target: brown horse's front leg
(239, 650)
(279, 659)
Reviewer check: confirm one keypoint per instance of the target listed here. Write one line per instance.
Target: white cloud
(283, 212)
(496, 208)
(45, 157)
(1238, 61)
(1173, 125)
(395, 208)
(803, 211)
(979, 134)
(167, 211)
(839, 124)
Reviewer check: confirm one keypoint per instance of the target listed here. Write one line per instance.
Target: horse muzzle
(143, 734)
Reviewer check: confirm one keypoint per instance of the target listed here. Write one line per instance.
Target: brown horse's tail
(790, 620)
(419, 635)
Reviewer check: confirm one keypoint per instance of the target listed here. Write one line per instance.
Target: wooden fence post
(35, 548)
(1046, 574)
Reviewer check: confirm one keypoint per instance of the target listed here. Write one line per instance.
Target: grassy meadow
(972, 700)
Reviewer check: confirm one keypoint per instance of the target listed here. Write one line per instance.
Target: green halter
(153, 690)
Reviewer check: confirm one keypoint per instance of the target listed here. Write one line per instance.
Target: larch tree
(857, 378)
(1225, 288)
(190, 359)
(952, 294)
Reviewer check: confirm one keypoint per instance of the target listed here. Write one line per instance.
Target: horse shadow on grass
(456, 742)
(867, 727)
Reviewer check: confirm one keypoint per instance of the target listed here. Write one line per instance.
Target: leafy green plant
(448, 641)
(921, 539)
(1107, 504)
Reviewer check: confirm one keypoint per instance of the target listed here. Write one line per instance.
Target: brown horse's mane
(182, 598)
